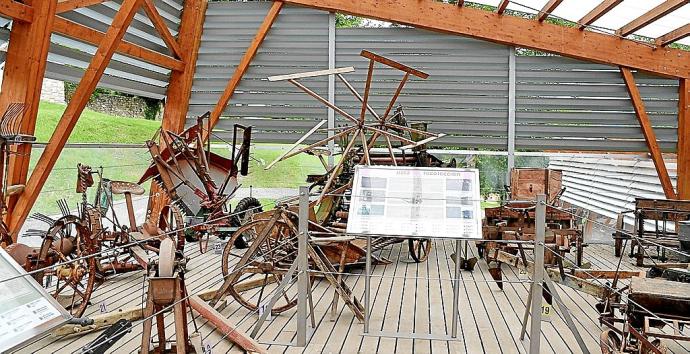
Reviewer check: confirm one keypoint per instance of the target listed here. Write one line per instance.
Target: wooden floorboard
(407, 297)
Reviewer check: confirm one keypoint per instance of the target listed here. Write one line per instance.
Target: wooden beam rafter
(599, 11)
(180, 87)
(515, 31)
(69, 5)
(648, 132)
(92, 36)
(16, 10)
(501, 8)
(461, 3)
(675, 35)
(25, 66)
(650, 16)
(683, 148)
(92, 75)
(548, 8)
(245, 61)
(162, 28)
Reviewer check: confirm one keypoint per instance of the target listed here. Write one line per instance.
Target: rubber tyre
(247, 204)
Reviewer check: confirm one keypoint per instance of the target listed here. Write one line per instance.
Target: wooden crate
(527, 183)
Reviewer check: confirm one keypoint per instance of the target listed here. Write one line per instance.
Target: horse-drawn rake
(274, 233)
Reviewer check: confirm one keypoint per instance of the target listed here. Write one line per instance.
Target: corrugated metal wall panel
(298, 41)
(465, 96)
(608, 185)
(565, 102)
(562, 104)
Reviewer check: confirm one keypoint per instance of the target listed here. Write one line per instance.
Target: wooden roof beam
(515, 31)
(599, 11)
(92, 36)
(648, 132)
(652, 15)
(69, 5)
(16, 10)
(461, 3)
(675, 35)
(162, 28)
(501, 8)
(550, 6)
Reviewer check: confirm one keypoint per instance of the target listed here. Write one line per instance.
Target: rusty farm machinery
(79, 251)
(274, 233)
(638, 310)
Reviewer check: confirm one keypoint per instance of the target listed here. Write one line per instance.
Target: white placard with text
(26, 309)
(415, 202)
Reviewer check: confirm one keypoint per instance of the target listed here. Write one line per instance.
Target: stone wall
(53, 91)
(123, 106)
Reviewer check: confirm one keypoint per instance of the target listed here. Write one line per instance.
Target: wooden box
(527, 183)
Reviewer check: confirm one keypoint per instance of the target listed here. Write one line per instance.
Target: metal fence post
(538, 276)
(511, 112)
(367, 286)
(302, 276)
(331, 86)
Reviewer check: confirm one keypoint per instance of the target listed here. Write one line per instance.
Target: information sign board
(26, 309)
(415, 202)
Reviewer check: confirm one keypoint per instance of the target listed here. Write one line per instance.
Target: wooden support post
(683, 149)
(71, 115)
(246, 60)
(25, 66)
(180, 87)
(648, 132)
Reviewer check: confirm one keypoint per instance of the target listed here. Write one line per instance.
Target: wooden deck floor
(407, 297)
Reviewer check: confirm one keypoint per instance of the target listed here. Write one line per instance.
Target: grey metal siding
(561, 104)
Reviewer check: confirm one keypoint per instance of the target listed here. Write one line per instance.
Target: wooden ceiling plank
(515, 31)
(675, 35)
(69, 5)
(548, 8)
(92, 36)
(650, 16)
(163, 30)
(501, 8)
(16, 10)
(598, 12)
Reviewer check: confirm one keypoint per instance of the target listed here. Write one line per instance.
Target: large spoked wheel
(171, 222)
(258, 277)
(419, 249)
(68, 243)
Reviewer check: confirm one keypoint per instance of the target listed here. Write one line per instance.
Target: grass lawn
(94, 127)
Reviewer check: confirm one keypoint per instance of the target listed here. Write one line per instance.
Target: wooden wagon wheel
(261, 274)
(69, 239)
(419, 248)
